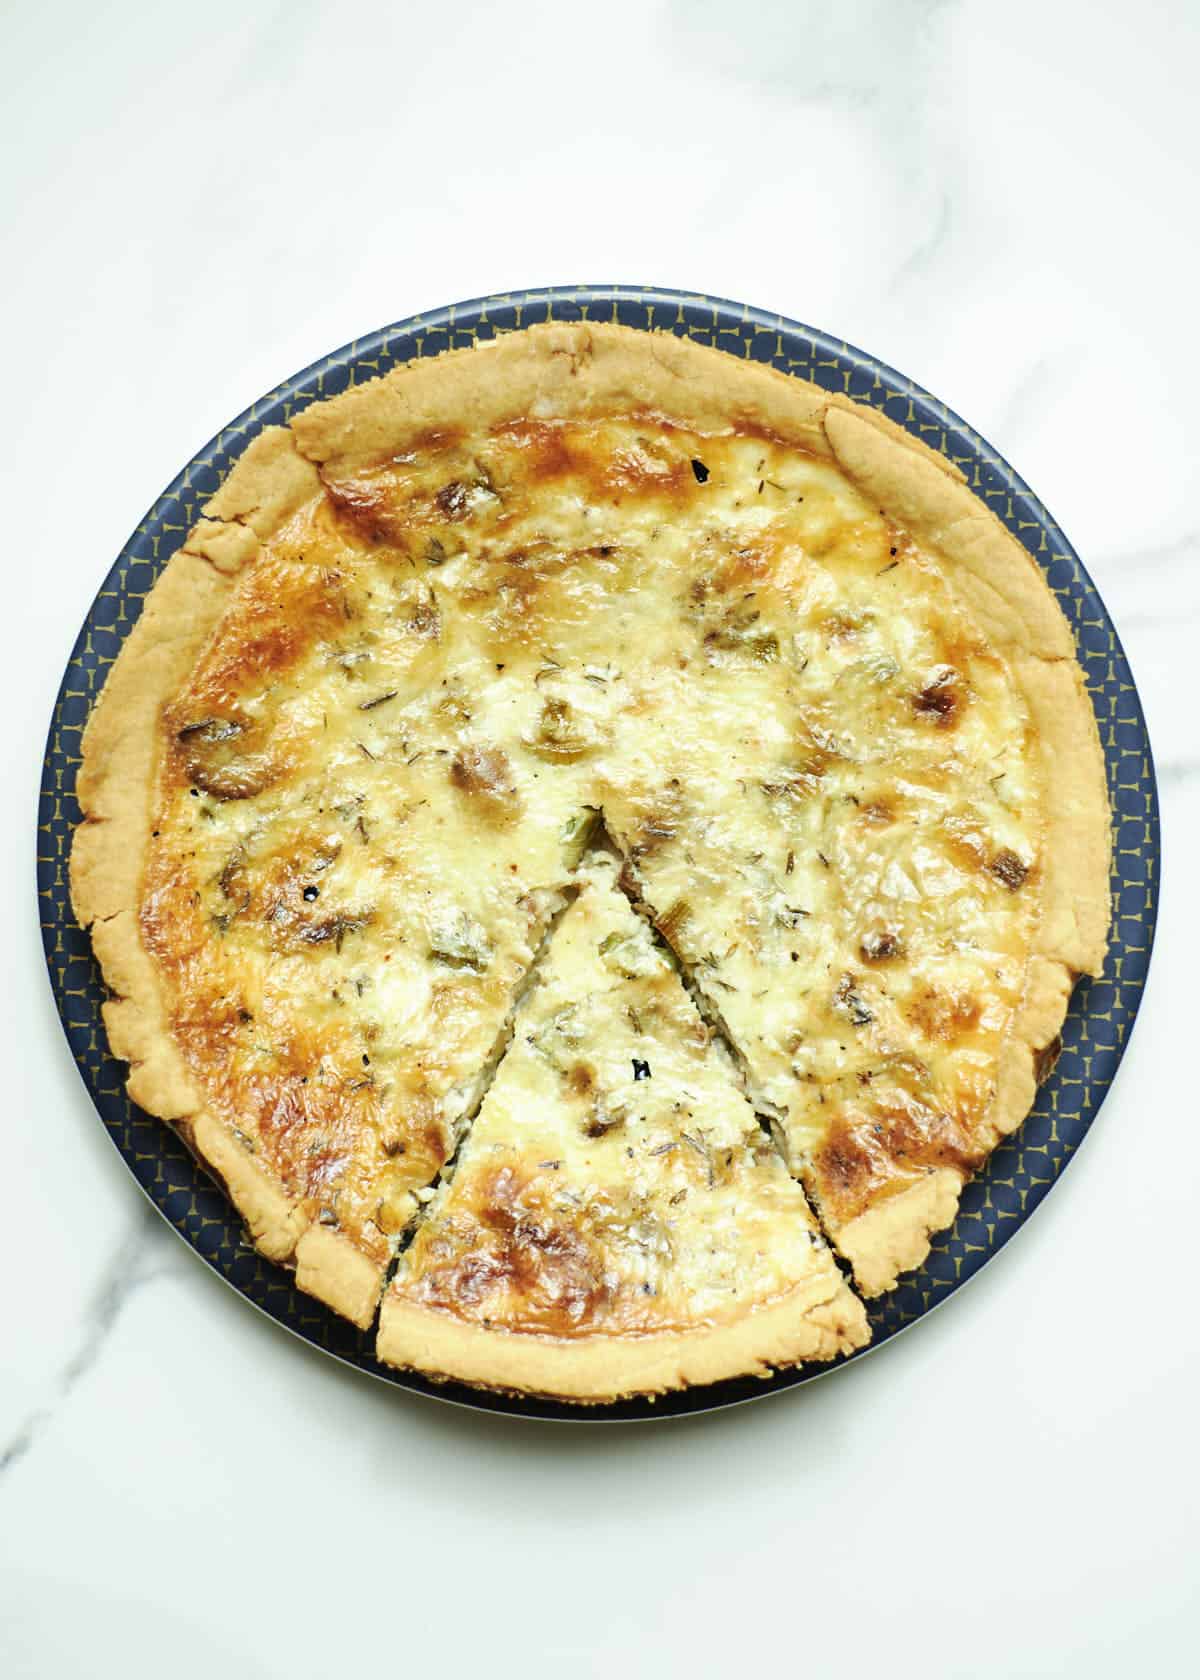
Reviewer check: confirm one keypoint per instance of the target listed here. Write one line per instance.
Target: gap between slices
(486, 1076)
(616, 1220)
(599, 844)
(706, 1007)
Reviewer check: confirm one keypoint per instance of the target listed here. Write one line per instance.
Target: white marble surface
(1001, 200)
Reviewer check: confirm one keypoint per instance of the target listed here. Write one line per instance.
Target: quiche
(593, 677)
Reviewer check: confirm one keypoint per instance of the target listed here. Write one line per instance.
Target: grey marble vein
(929, 245)
(1170, 553)
(1036, 388)
(1172, 615)
(882, 66)
(138, 1259)
(1156, 588)
(814, 53)
(1177, 771)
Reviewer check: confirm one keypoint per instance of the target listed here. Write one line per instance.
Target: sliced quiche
(424, 645)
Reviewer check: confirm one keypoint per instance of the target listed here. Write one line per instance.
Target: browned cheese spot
(881, 944)
(942, 699)
(512, 1245)
(1008, 869)
(485, 776)
(943, 1016)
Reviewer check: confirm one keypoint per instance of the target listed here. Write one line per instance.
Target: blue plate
(1019, 1173)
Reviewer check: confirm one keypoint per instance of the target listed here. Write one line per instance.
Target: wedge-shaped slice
(618, 1222)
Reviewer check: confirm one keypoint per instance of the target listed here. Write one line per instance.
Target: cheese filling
(381, 777)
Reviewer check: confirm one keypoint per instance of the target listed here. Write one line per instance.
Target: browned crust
(819, 1320)
(330, 1267)
(120, 744)
(1076, 851)
(117, 789)
(558, 371)
(553, 372)
(270, 482)
(893, 1236)
(1048, 986)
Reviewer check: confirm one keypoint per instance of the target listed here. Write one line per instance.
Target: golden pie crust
(549, 375)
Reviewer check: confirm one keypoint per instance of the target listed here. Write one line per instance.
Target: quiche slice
(340, 779)
(617, 1221)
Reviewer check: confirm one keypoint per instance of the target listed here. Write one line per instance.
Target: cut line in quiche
(341, 777)
(617, 1220)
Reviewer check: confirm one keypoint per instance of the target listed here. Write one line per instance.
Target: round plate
(1018, 1175)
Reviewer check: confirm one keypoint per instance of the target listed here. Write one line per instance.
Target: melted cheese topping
(380, 778)
(616, 1181)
